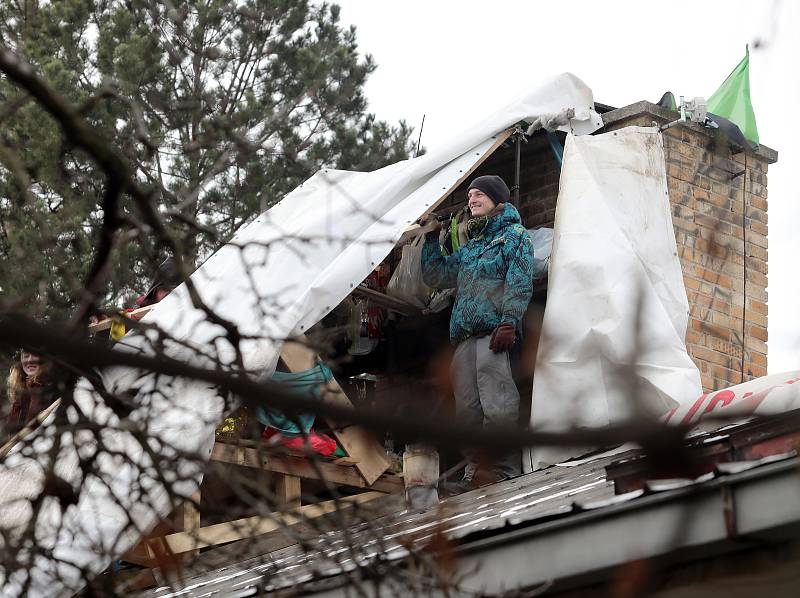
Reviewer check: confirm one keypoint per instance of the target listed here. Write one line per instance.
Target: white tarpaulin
(616, 303)
(277, 277)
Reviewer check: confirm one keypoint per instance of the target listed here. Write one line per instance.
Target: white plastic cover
(277, 277)
(615, 294)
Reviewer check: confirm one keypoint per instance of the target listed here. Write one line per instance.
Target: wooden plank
(413, 229)
(390, 303)
(186, 517)
(223, 556)
(344, 475)
(143, 554)
(249, 527)
(357, 442)
(106, 324)
(29, 427)
(287, 490)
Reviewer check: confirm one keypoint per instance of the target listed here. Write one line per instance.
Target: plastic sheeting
(542, 248)
(616, 303)
(277, 277)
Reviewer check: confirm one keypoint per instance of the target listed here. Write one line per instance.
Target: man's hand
(430, 223)
(503, 338)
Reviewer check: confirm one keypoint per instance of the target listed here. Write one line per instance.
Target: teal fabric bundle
(303, 384)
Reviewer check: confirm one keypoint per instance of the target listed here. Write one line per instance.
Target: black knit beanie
(493, 186)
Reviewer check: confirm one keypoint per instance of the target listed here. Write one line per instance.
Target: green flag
(732, 99)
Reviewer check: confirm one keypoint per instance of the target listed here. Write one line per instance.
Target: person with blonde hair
(31, 389)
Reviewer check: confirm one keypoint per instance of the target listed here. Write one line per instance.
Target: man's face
(31, 363)
(479, 203)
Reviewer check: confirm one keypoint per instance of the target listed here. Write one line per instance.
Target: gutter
(697, 521)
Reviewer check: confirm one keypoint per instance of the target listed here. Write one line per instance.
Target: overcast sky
(455, 61)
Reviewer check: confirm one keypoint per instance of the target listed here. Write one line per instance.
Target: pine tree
(220, 107)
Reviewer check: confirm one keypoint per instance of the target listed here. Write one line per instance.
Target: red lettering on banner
(723, 396)
(670, 414)
(688, 417)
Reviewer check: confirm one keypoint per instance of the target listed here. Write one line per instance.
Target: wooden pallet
(182, 535)
(155, 548)
(341, 472)
(365, 468)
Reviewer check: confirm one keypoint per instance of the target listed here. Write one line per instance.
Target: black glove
(503, 338)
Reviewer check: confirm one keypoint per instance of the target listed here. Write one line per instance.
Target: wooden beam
(186, 517)
(248, 527)
(386, 301)
(301, 467)
(287, 489)
(500, 140)
(357, 442)
(106, 324)
(29, 427)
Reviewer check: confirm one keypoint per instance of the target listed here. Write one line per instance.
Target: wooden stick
(186, 517)
(29, 427)
(287, 488)
(386, 301)
(106, 324)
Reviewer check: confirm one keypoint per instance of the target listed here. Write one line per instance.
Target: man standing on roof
(493, 277)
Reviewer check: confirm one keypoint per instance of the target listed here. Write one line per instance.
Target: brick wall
(727, 291)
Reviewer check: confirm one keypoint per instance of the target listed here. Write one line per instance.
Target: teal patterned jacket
(492, 274)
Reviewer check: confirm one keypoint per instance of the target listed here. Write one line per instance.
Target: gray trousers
(486, 394)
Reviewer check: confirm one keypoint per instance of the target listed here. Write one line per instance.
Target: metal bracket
(519, 136)
(669, 125)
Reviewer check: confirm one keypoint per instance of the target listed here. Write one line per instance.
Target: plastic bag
(406, 282)
(542, 247)
(442, 299)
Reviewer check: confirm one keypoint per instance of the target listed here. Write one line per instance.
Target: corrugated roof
(542, 496)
